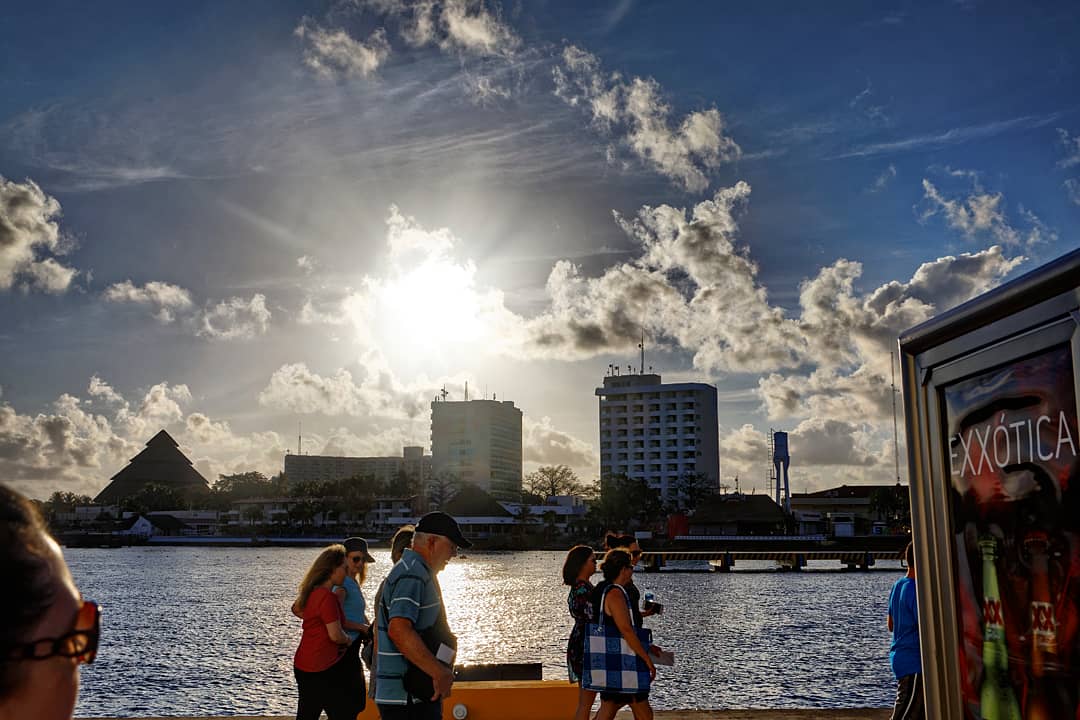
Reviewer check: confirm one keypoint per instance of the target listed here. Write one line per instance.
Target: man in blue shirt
(411, 603)
(904, 651)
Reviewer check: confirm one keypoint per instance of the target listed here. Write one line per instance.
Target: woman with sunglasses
(48, 629)
(325, 678)
(630, 544)
(356, 623)
(352, 599)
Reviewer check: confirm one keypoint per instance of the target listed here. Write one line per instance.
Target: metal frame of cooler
(1036, 311)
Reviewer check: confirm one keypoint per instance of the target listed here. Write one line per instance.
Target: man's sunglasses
(81, 643)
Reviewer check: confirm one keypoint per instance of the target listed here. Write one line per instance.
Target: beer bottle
(1043, 702)
(997, 701)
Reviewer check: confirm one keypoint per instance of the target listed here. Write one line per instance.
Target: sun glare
(434, 306)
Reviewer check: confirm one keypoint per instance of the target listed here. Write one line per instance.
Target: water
(207, 631)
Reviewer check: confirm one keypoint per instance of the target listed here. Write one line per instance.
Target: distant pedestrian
(325, 679)
(401, 540)
(577, 571)
(904, 651)
(48, 629)
(611, 605)
(416, 646)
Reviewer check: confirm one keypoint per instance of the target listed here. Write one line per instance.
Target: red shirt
(317, 651)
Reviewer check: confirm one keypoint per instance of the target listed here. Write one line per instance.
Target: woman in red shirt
(324, 681)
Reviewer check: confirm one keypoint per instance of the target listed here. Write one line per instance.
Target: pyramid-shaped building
(161, 463)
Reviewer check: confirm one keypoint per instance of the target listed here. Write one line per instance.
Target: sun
(434, 306)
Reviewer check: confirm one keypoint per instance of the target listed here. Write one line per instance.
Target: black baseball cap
(354, 544)
(439, 523)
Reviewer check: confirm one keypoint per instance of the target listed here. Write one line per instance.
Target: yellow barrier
(500, 699)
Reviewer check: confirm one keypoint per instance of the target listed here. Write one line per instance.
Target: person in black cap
(410, 614)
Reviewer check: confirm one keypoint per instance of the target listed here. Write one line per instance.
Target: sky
(234, 220)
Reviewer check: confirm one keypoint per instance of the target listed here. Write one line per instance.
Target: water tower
(782, 461)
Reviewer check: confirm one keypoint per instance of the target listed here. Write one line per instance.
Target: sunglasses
(81, 643)
(356, 560)
(636, 554)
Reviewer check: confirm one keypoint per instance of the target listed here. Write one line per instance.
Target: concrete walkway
(829, 714)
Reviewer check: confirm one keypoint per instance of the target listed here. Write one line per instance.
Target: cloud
(332, 52)
(164, 299)
(296, 388)
(235, 318)
(635, 113)
(953, 136)
(470, 27)
(980, 213)
(690, 287)
(1072, 189)
(850, 336)
(545, 445)
(72, 447)
(865, 104)
(825, 441)
(1071, 146)
(455, 26)
(29, 230)
(307, 264)
(341, 441)
(882, 181)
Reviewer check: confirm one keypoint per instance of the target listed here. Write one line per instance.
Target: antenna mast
(895, 435)
(299, 437)
(641, 346)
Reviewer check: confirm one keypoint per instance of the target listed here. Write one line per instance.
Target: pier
(792, 551)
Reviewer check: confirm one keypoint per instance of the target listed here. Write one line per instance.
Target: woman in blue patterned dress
(579, 567)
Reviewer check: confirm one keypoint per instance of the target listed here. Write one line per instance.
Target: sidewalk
(827, 714)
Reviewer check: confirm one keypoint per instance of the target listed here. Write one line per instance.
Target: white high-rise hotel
(657, 432)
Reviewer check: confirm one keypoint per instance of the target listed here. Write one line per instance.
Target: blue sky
(223, 219)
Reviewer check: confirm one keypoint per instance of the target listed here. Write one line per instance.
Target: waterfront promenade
(786, 714)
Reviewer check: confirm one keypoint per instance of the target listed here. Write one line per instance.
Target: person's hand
(648, 613)
(652, 668)
(442, 682)
(655, 649)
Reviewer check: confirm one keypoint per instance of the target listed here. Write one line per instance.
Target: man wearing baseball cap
(410, 614)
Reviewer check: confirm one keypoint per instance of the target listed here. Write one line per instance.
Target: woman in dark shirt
(612, 606)
(576, 572)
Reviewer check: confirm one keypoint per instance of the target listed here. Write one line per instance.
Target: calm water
(207, 631)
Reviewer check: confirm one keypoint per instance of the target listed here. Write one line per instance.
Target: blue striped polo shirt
(411, 592)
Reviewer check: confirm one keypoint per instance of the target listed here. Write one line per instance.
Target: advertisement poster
(1013, 459)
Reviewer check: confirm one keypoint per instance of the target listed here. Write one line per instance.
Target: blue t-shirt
(904, 651)
(411, 592)
(355, 609)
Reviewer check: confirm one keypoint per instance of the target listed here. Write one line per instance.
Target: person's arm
(330, 614)
(358, 627)
(618, 610)
(336, 634)
(297, 611)
(889, 614)
(408, 642)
